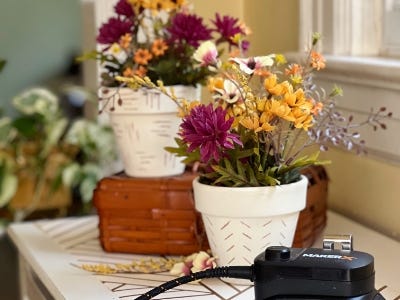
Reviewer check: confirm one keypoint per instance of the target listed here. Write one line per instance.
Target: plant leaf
(8, 183)
(2, 64)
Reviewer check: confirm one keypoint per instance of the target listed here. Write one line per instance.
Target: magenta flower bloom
(205, 128)
(245, 45)
(111, 31)
(190, 29)
(227, 27)
(123, 8)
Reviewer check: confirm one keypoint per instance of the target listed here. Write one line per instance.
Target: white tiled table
(50, 252)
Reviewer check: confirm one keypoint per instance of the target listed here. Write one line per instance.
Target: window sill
(372, 71)
(369, 82)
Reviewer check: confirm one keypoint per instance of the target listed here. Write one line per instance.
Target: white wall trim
(372, 71)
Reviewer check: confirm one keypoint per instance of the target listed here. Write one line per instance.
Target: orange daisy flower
(159, 47)
(125, 40)
(317, 60)
(262, 72)
(317, 108)
(128, 72)
(294, 69)
(141, 71)
(142, 56)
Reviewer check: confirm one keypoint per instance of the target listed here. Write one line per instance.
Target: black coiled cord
(240, 272)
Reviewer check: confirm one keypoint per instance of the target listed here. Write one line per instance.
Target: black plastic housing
(294, 273)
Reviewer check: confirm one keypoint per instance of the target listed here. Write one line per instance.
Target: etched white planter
(241, 222)
(144, 125)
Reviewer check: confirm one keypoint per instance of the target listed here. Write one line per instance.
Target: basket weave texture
(149, 215)
(157, 215)
(312, 219)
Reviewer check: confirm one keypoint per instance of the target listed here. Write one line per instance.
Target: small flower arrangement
(264, 115)
(157, 39)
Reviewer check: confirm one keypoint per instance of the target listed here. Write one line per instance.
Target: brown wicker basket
(154, 215)
(157, 215)
(312, 219)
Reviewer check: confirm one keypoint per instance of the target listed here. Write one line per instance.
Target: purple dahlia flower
(189, 28)
(227, 27)
(111, 31)
(206, 128)
(123, 8)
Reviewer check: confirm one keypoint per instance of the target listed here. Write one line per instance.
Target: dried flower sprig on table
(150, 265)
(195, 262)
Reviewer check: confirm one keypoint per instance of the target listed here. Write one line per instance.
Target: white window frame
(352, 32)
(391, 25)
(348, 27)
(94, 13)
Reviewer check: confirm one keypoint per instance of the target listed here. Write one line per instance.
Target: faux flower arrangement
(40, 143)
(157, 39)
(265, 113)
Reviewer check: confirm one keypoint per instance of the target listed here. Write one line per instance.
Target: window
(361, 42)
(349, 27)
(391, 25)
(353, 27)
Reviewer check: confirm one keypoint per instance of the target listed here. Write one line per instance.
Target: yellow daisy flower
(281, 109)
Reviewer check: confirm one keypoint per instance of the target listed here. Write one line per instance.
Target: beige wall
(274, 23)
(366, 189)
(207, 9)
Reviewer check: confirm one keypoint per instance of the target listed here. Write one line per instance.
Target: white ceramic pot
(144, 125)
(241, 222)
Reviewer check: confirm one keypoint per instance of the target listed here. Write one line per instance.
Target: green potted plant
(43, 155)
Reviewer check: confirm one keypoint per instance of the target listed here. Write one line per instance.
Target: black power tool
(294, 273)
(300, 273)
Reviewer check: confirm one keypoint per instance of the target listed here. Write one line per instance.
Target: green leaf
(241, 169)
(55, 131)
(182, 151)
(227, 175)
(86, 188)
(252, 176)
(2, 64)
(94, 55)
(228, 166)
(5, 130)
(27, 126)
(8, 185)
(71, 174)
